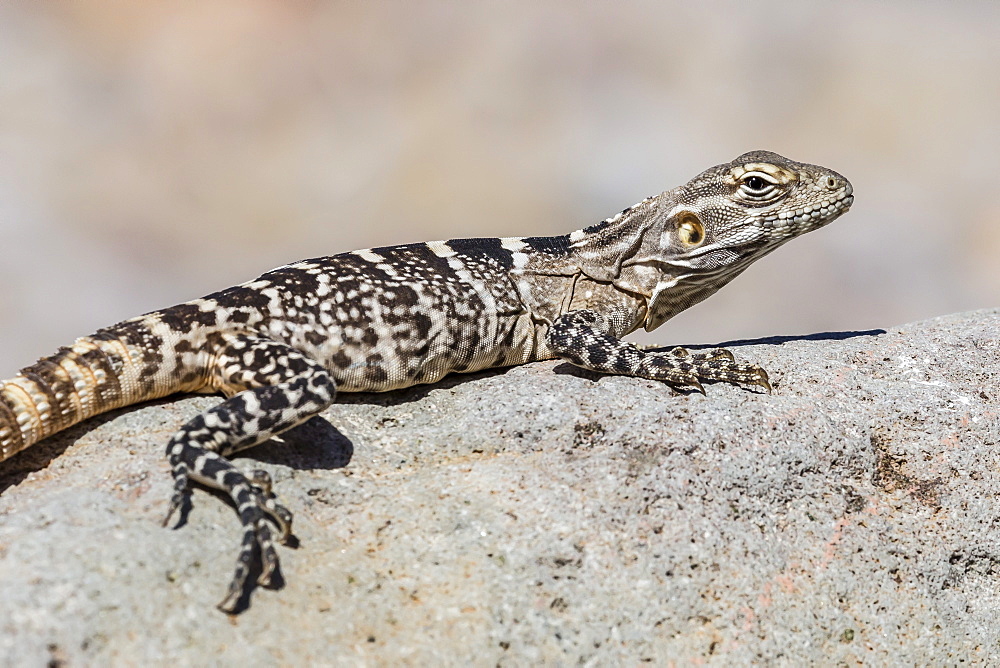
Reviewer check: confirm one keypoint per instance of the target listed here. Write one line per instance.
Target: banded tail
(115, 367)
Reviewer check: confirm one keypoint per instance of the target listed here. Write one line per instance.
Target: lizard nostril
(832, 182)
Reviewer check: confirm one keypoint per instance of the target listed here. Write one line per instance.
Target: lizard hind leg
(274, 387)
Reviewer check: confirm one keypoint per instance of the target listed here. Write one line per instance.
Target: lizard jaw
(799, 221)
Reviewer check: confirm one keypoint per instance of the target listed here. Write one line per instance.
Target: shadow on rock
(778, 340)
(314, 444)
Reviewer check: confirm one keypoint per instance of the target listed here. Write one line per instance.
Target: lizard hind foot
(256, 537)
(257, 507)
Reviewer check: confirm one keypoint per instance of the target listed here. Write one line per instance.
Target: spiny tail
(115, 367)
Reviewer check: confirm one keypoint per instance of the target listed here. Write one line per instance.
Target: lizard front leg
(281, 388)
(584, 338)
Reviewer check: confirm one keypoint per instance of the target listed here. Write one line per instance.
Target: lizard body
(280, 347)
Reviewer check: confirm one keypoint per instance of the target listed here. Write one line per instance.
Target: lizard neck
(595, 268)
(621, 250)
(585, 270)
(637, 255)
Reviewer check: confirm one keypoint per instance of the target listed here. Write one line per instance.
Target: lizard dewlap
(280, 347)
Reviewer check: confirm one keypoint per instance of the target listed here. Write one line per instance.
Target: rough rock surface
(542, 514)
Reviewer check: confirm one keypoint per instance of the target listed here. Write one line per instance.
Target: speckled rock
(544, 514)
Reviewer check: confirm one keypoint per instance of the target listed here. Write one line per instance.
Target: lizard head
(681, 246)
(731, 215)
(753, 204)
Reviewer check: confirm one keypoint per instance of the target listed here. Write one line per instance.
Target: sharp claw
(695, 385)
(228, 604)
(175, 503)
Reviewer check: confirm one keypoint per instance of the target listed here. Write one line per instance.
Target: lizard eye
(759, 188)
(690, 231)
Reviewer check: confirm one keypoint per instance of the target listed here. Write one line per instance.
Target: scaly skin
(279, 347)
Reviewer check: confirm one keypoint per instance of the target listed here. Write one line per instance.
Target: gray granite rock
(542, 514)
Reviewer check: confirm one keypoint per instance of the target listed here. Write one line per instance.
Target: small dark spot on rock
(588, 434)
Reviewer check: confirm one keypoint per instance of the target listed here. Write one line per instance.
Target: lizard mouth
(807, 218)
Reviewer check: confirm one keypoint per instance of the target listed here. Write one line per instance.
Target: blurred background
(154, 152)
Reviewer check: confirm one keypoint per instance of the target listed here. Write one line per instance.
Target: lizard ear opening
(690, 231)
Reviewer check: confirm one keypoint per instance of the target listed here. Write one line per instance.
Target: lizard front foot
(584, 338)
(716, 364)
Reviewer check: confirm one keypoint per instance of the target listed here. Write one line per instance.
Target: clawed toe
(268, 556)
(268, 504)
(176, 501)
(719, 354)
(764, 381)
